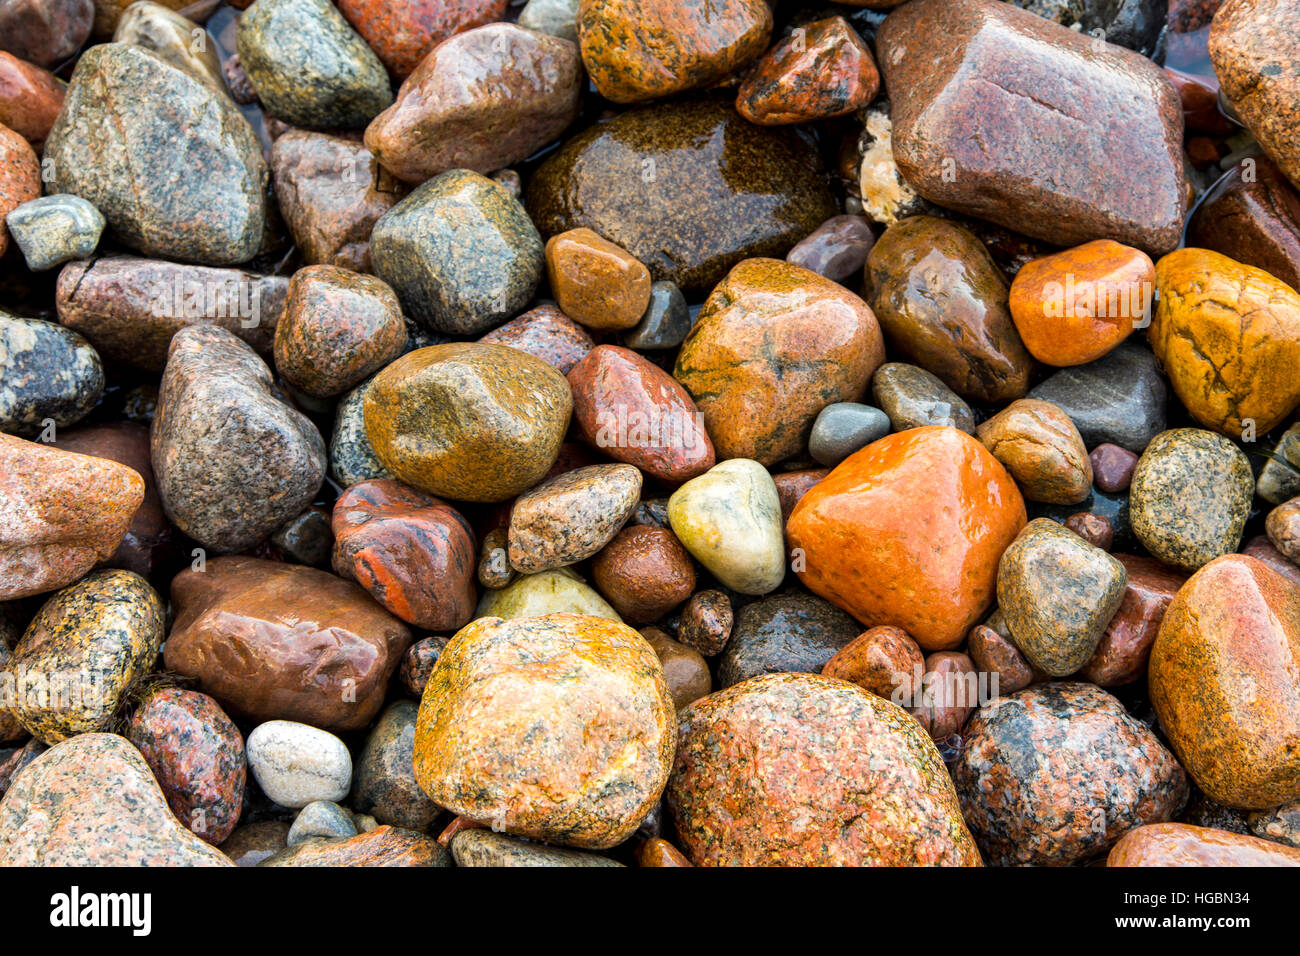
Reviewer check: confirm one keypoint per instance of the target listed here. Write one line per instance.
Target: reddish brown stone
(1225, 682)
(402, 34)
(1199, 96)
(823, 69)
(382, 846)
(633, 411)
(20, 177)
(275, 641)
(596, 282)
(1121, 655)
(644, 573)
(793, 485)
(884, 660)
(1095, 529)
(412, 552)
(686, 672)
(659, 852)
(60, 514)
(30, 99)
(706, 622)
(1042, 449)
(773, 346)
(995, 655)
(947, 694)
(1283, 527)
(1260, 548)
(865, 783)
(1112, 467)
(45, 32)
(836, 249)
(1180, 844)
(547, 333)
(1254, 220)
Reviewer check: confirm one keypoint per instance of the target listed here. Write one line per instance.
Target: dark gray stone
(1120, 398)
(384, 783)
(352, 458)
(1134, 24)
(913, 397)
(790, 632)
(47, 372)
(666, 322)
(844, 427)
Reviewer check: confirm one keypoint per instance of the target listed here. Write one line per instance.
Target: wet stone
(46, 32)
(1122, 653)
(785, 633)
(560, 591)
(1279, 479)
(1112, 467)
(53, 230)
(883, 660)
(418, 663)
(1094, 529)
(837, 249)
(1254, 219)
(570, 518)
(49, 375)
(843, 428)
(384, 784)
(665, 322)
(913, 397)
(997, 656)
(306, 539)
(706, 622)
(1120, 398)
(402, 34)
(686, 672)
(645, 573)
(1040, 446)
(352, 458)
(494, 570)
(546, 332)
(479, 847)
(596, 282)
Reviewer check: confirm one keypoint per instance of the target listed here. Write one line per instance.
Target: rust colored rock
(1030, 775)
(1121, 655)
(597, 283)
(1112, 467)
(30, 99)
(942, 303)
(1181, 844)
(20, 177)
(1225, 681)
(273, 641)
(1260, 548)
(659, 852)
(931, 500)
(1283, 527)
(521, 718)
(946, 695)
(1073, 307)
(822, 70)
(481, 100)
(331, 192)
(793, 485)
(129, 308)
(638, 50)
(338, 329)
(1093, 528)
(1042, 449)
(686, 672)
(547, 333)
(837, 249)
(382, 846)
(1255, 220)
(414, 554)
(998, 657)
(773, 346)
(644, 573)
(61, 513)
(1006, 116)
(706, 621)
(402, 34)
(1252, 43)
(864, 781)
(884, 660)
(635, 412)
(1228, 335)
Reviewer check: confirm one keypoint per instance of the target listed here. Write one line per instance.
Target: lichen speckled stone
(338, 328)
(558, 728)
(82, 652)
(1120, 398)
(55, 229)
(729, 518)
(309, 67)
(229, 480)
(197, 754)
(403, 34)
(560, 591)
(1223, 677)
(913, 398)
(1057, 593)
(297, 764)
(352, 459)
(1056, 773)
(639, 50)
(571, 517)
(93, 801)
(864, 782)
(1190, 497)
(1039, 445)
(785, 633)
(773, 346)
(477, 846)
(61, 513)
(47, 374)
(460, 252)
(129, 308)
(688, 188)
(468, 421)
(384, 784)
(482, 100)
(382, 846)
(173, 38)
(126, 140)
(1182, 844)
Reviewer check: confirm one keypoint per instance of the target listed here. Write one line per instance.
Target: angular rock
(1119, 398)
(53, 230)
(48, 375)
(785, 633)
(1255, 220)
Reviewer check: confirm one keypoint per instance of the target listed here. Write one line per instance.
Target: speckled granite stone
(1027, 771)
(571, 517)
(126, 141)
(197, 754)
(1057, 593)
(785, 633)
(547, 333)
(309, 67)
(352, 459)
(47, 374)
(93, 801)
(229, 480)
(480, 847)
(460, 252)
(382, 846)
(60, 514)
(46, 32)
(863, 779)
(883, 660)
(520, 718)
(1190, 497)
(384, 783)
(689, 188)
(20, 177)
(706, 622)
(418, 663)
(53, 230)
(82, 652)
(403, 34)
